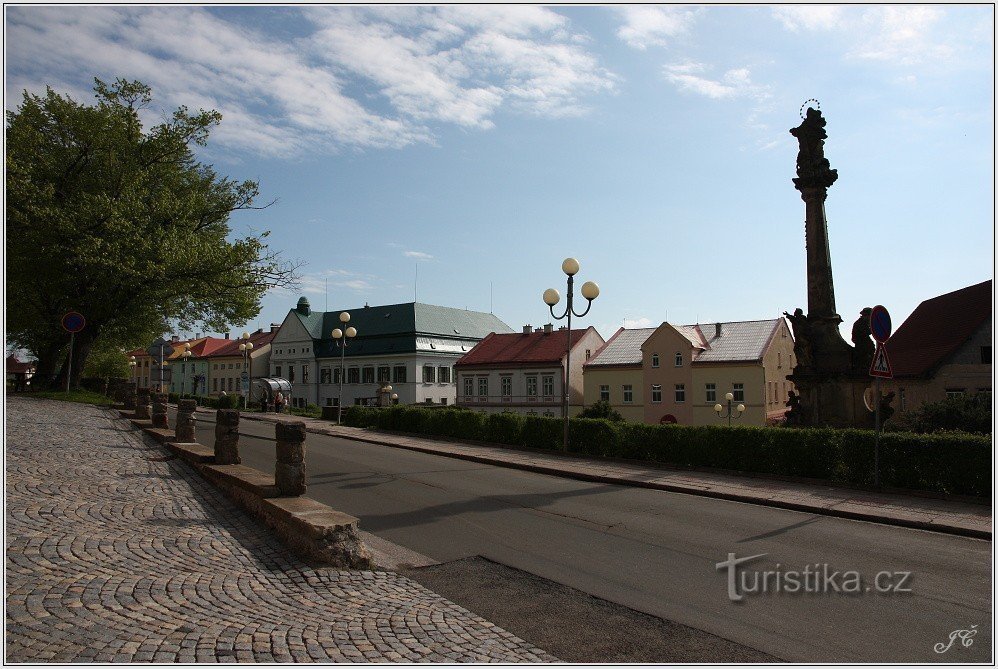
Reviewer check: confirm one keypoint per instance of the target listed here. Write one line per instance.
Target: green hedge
(947, 463)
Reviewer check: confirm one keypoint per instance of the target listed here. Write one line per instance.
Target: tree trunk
(45, 370)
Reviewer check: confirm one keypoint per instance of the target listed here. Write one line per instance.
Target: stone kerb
(143, 410)
(289, 470)
(159, 408)
(186, 423)
(227, 437)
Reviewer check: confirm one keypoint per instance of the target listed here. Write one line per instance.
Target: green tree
(967, 413)
(123, 225)
(601, 409)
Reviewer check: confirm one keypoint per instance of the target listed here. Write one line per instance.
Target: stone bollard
(185, 421)
(143, 410)
(227, 437)
(130, 391)
(289, 472)
(159, 417)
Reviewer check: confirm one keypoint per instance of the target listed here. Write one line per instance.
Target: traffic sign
(73, 322)
(881, 365)
(880, 323)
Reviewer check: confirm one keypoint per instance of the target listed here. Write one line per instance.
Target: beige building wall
(752, 376)
(778, 362)
(616, 378)
(666, 342)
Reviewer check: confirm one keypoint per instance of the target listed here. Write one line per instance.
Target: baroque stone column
(159, 407)
(130, 392)
(289, 471)
(227, 437)
(143, 409)
(186, 429)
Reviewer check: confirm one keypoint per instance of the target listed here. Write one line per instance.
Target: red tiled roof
(15, 366)
(937, 328)
(535, 347)
(230, 347)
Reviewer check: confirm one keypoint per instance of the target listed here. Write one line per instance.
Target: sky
(457, 154)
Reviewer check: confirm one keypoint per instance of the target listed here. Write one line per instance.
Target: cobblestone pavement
(118, 553)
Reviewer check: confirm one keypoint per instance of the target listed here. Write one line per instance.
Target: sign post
(880, 368)
(72, 323)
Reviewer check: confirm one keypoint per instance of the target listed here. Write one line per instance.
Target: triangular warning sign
(881, 365)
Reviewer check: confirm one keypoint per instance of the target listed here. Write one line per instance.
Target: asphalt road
(657, 552)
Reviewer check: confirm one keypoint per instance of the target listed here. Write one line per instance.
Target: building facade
(524, 373)
(410, 346)
(678, 373)
(223, 367)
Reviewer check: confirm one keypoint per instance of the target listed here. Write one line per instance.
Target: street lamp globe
(337, 333)
(717, 408)
(245, 335)
(590, 290)
(551, 297)
(351, 332)
(395, 397)
(570, 266)
(242, 347)
(729, 396)
(344, 317)
(249, 346)
(741, 408)
(388, 389)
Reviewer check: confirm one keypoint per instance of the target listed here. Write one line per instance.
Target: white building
(412, 346)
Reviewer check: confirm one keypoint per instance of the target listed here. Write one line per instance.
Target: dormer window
(654, 359)
(679, 359)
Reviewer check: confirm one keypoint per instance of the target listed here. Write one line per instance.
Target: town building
(225, 365)
(411, 346)
(524, 372)
(678, 373)
(943, 349)
(19, 373)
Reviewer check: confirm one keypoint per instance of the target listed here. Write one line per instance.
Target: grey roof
(742, 341)
(691, 332)
(624, 348)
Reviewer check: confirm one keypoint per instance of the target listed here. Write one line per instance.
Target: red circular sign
(73, 322)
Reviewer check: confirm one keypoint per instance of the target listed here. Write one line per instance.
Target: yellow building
(678, 373)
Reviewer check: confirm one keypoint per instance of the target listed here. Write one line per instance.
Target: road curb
(615, 480)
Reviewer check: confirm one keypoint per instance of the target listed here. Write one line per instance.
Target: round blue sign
(73, 322)
(880, 323)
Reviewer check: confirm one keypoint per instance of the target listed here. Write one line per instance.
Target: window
(531, 386)
(711, 392)
(738, 390)
(399, 374)
(214, 385)
(985, 355)
(230, 383)
(277, 371)
(547, 385)
(483, 386)
(232, 365)
(384, 374)
(336, 375)
(679, 359)
(680, 393)
(654, 359)
(304, 373)
(952, 393)
(368, 373)
(329, 401)
(215, 366)
(291, 373)
(353, 374)
(628, 394)
(443, 375)
(443, 400)
(779, 359)
(506, 386)
(325, 375)
(469, 386)
(588, 353)
(429, 373)
(656, 393)
(604, 393)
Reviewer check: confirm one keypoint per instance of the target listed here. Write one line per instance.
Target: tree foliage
(123, 225)
(601, 409)
(966, 413)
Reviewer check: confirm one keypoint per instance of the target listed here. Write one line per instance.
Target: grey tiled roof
(623, 349)
(691, 333)
(738, 341)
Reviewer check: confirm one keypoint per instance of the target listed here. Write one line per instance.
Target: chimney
(175, 338)
(526, 329)
(258, 331)
(547, 328)
(561, 328)
(717, 329)
(197, 335)
(226, 335)
(274, 327)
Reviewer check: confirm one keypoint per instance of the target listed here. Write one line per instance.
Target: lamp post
(740, 409)
(186, 355)
(343, 335)
(590, 291)
(132, 364)
(246, 347)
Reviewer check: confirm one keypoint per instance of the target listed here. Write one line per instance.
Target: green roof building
(412, 346)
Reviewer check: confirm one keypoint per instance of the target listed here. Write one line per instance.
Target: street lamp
(186, 355)
(740, 409)
(246, 348)
(590, 291)
(132, 364)
(339, 334)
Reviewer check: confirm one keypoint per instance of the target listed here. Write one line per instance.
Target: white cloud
(650, 25)
(641, 322)
(357, 77)
(809, 17)
(734, 83)
(418, 255)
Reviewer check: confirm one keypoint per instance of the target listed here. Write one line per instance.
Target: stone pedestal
(159, 407)
(143, 406)
(289, 471)
(129, 398)
(227, 437)
(830, 401)
(185, 421)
